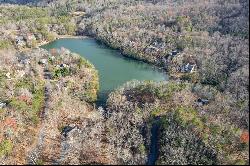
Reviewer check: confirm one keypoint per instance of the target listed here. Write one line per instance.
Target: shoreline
(103, 42)
(61, 37)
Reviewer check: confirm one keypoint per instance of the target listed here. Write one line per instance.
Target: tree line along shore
(203, 111)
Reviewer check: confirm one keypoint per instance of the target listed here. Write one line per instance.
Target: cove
(113, 68)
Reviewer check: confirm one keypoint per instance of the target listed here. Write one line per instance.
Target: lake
(113, 68)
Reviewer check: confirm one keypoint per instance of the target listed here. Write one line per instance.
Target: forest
(200, 115)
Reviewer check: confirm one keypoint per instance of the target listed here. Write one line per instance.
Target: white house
(2, 105)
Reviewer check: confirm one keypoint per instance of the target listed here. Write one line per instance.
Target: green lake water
(113, 68)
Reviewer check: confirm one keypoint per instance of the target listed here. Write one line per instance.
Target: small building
(23, 59)
(43, 61)
(78, 13)
(202, 102)
(188, 68)
(20, 74)
(67, 129)
(19, 38)
(30, 37)
(38, 36)
(64, 66)
(2, 105)
(151, 48)
(8, 75)
(20, 41)
(174, 53)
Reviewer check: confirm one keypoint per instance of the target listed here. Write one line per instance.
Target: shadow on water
(102, 98)
(154, 149)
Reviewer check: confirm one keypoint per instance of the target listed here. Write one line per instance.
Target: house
(38, 36)
(20, 74)
(202, 102)
(43, 61)
(20, 41)
(67, 129)
(188, 68)
(8, 75)
(23, 59)
(151, 48)
(2, 105)
(30, 37)
(174, 53)
(64, 66)
(78, 13)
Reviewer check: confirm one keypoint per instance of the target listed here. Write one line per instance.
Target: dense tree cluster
(205, 43)
(24, 26)
(33, 103)
(190, 132)
(203, 33)
(202, 116)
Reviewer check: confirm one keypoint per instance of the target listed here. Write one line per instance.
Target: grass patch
(19, 105)
(62, 72)
(157, 111)
(38, 100)
(4, 44)
(142, 148)
(25, 83)
(40, 162)
(84, 63)
(6, 147)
